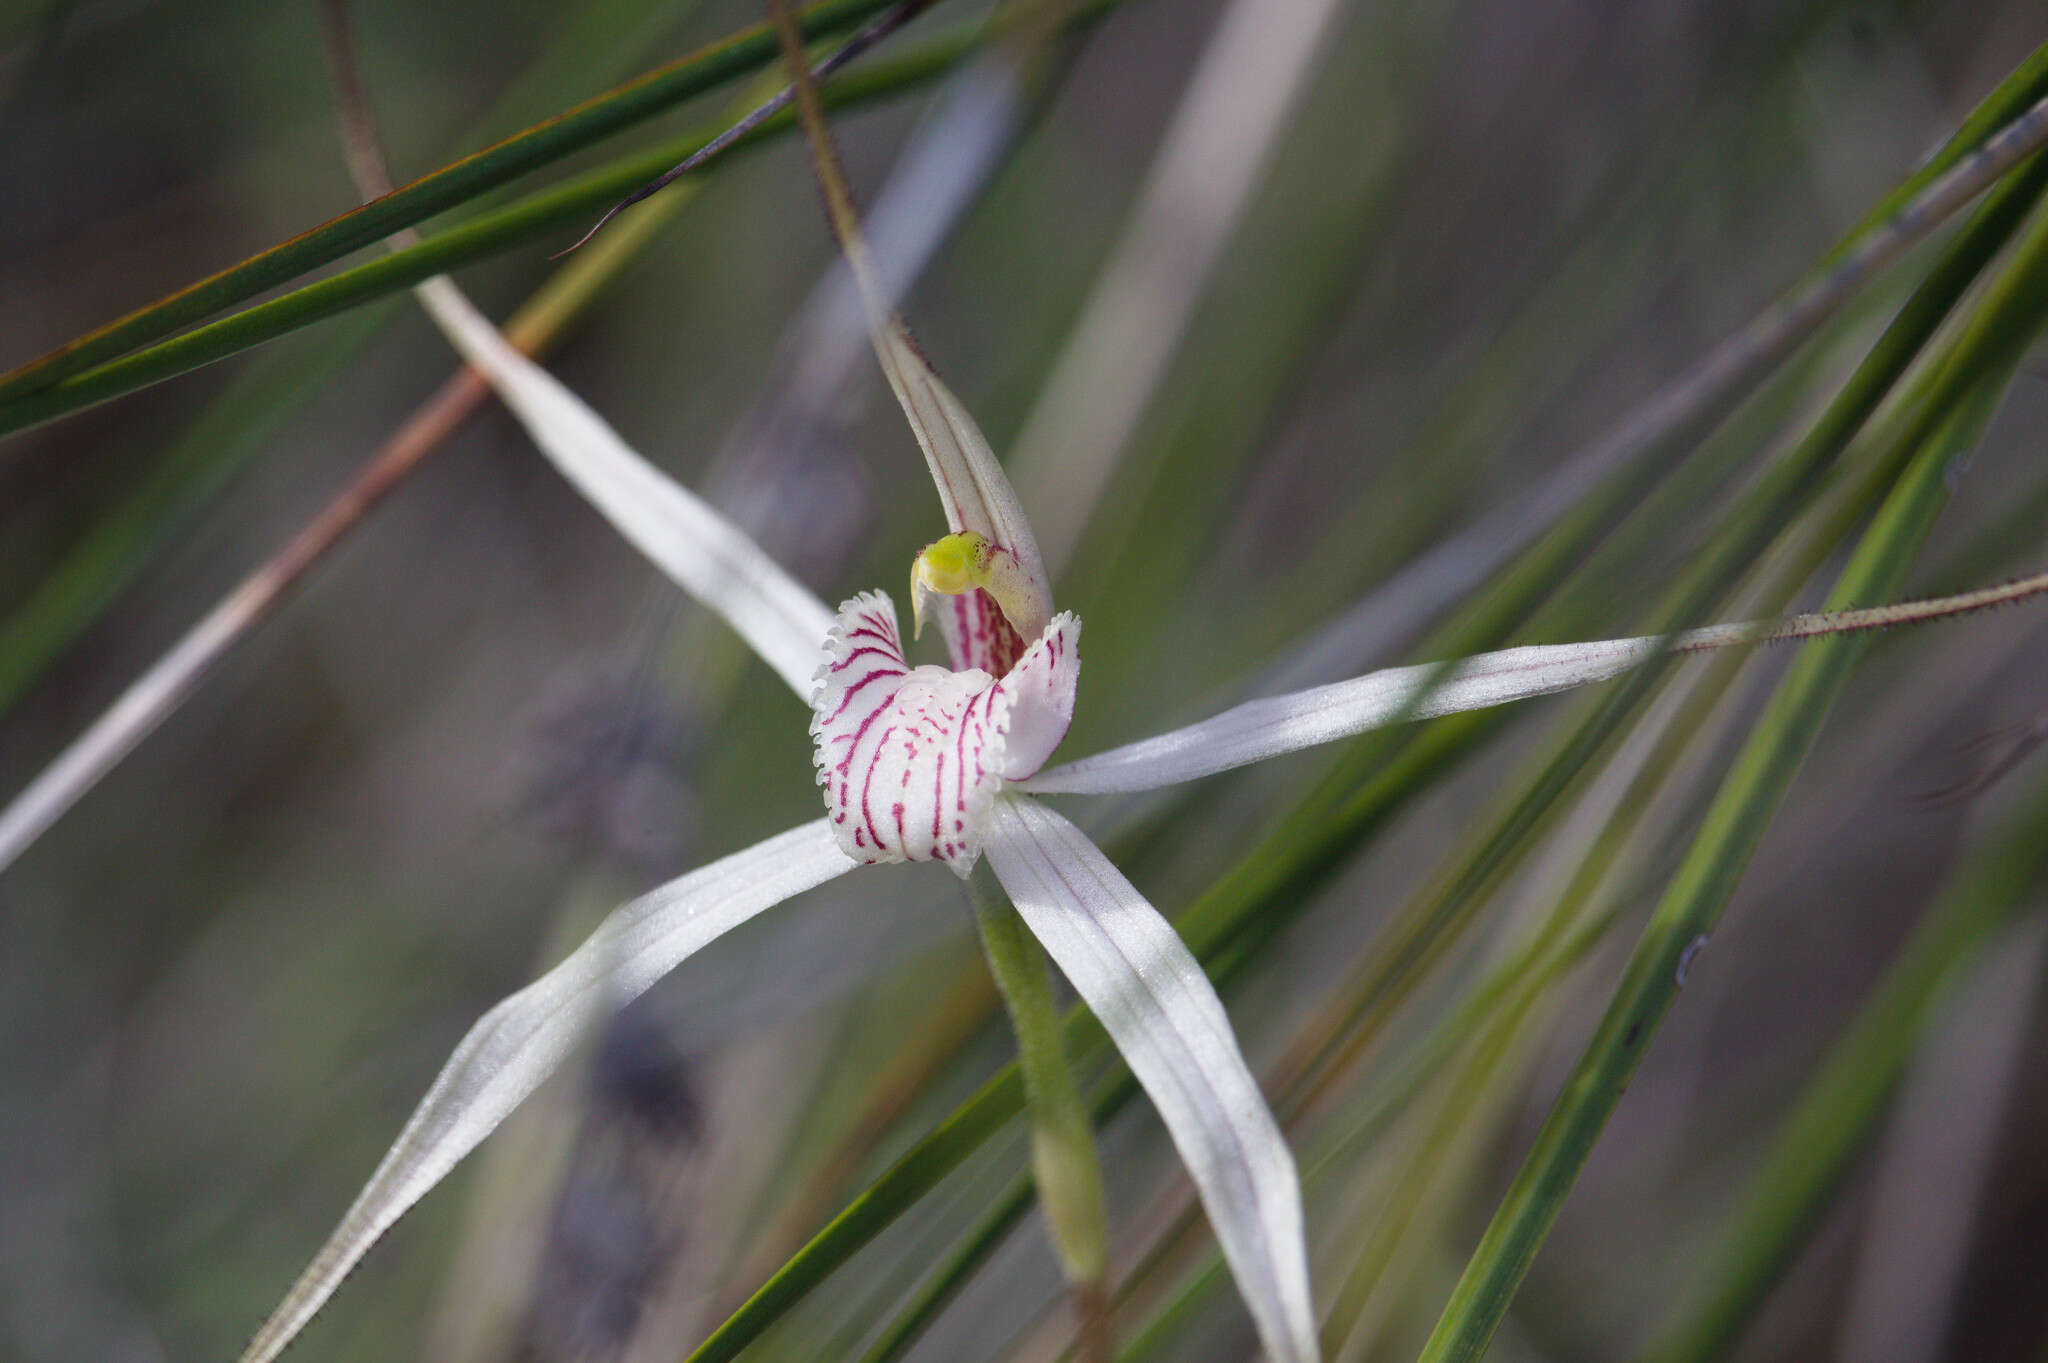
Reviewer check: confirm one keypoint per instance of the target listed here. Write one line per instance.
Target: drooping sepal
(911, 757)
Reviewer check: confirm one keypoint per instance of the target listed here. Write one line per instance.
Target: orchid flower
(941, 763)
(935, 763)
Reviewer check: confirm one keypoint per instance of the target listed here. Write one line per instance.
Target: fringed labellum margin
(911, 757)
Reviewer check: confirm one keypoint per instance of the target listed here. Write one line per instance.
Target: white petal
(1144, 985)
(910, 757)
(707, 555)
(1040, 690)
(1275, 725)
(522, 1040)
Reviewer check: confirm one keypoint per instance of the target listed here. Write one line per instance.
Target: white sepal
(972, 486)
(707, 555)
(1275, 725)
(1152, 998)
(522, 1040)
(910, 757)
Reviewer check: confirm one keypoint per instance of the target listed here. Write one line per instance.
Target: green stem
(484, 236)
(1063, 1157)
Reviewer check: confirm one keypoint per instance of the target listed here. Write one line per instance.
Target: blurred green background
(1487, 230)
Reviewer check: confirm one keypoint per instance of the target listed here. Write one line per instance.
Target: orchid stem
(1063, 1156)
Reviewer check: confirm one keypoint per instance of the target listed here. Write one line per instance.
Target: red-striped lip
(910, 757)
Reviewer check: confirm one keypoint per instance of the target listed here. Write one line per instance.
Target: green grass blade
(588, 123)
(943, 1285)
(1842, 1103)
(2013, 96)
(1736, 820)
(902, 1184)
(484, 236)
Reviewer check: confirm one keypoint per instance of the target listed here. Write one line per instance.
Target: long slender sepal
(707, 555)
(1275, 725)
(972, 487)
(521, 1041)
(1145, 987)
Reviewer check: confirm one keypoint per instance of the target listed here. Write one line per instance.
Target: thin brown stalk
(876, 29)
(151, 699)
(160, 690)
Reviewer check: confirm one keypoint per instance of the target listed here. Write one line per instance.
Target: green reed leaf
(1842, 1102)
(738, 54)
(482, 237)
(1964, 392)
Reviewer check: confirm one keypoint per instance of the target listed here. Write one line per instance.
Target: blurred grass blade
(1841, 1104)
(1953, 1112)
(1275, 725)
(1981, 363)
(579, 127)
(908, 1178)
(1252, 70)
(127, 722)
(946, 1281)
(259, 400)
(232, 428)
(2010, 123)
(706, 554)
(523, 1039)
(481, 237)
(161, 688)
(1146, 990)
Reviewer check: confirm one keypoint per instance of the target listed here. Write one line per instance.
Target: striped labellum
(911, 758)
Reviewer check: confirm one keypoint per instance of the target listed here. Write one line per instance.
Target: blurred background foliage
(1487, 231)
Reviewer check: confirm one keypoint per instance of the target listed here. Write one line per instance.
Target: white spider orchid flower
(939, 764)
